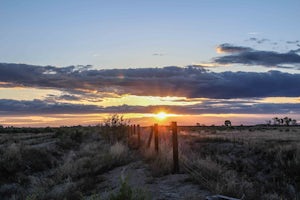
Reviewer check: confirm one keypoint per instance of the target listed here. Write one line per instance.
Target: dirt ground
(174, 186)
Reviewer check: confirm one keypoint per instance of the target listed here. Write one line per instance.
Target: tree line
(282, 121)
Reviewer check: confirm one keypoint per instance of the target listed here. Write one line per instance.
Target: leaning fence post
(139, 135)
(156, 137)
(150, 137)
(175, 147)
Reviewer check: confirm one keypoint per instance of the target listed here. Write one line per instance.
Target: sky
(72, 62)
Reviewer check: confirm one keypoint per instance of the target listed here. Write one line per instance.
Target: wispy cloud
(293, 42)
(258, 41)
(158, 54)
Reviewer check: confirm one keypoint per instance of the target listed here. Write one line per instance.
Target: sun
(161, 115)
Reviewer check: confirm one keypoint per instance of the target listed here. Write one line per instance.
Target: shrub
(69, 139)
(37, 160)
(115, 129)
(118, 150)
(128, 193)
(18, 160)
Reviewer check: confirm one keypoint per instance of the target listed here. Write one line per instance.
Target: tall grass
(252, 165)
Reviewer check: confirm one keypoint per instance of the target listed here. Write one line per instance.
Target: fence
(154, 130)
(193, 170)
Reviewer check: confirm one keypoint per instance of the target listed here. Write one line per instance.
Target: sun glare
(161, 115)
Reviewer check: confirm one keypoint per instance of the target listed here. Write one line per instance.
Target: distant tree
(276, 121)
(269, 122)
(281, 121)
(287, 121)
(227, 123)
(198, 124)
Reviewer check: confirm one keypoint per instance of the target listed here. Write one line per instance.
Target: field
(101, 162)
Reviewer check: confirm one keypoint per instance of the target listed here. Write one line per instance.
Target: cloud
(249, 56)
(292, 42)
(53, 98)
(191, 81)
(254, 33)
(8, 106)
(158, 54)
(38, 107)
(228, 48)
(258, 41)
(295, 51)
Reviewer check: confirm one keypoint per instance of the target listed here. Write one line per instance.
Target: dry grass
(119, 150)
(160, 162)
(253, 163)
(70, 169)
(242, 163)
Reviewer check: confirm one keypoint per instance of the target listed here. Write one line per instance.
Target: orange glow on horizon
(144, 119)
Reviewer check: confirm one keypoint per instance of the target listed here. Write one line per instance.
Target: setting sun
(161, 115)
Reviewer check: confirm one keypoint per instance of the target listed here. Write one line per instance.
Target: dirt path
(174, 186)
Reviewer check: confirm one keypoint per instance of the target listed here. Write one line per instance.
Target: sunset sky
(70, 62)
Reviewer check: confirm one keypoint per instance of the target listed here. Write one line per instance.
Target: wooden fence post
(156, 137)
(131, 130)
(139, 135)
(134, 129)
(128, 132)
(175, 147)
(150, 137)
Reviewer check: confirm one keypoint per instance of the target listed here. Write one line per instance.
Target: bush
(37, 159)
(18, 160)
(115, 129)
(118, 151)
(69, 139)
(126, 192)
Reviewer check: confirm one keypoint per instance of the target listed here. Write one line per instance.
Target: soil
(138, 175)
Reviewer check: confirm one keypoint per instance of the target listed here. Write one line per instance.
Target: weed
(127, 192)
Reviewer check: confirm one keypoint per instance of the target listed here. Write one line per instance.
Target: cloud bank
(249, 56)
(15, 107)
(191, 81)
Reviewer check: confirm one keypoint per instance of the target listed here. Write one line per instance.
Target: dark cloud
(295, 51)
(228, 48)
(64, 97)
(38, 107)
(258, 41)
(292, 42)
(191, 81)
(263, 58)
(11, 107)
(69, 97)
